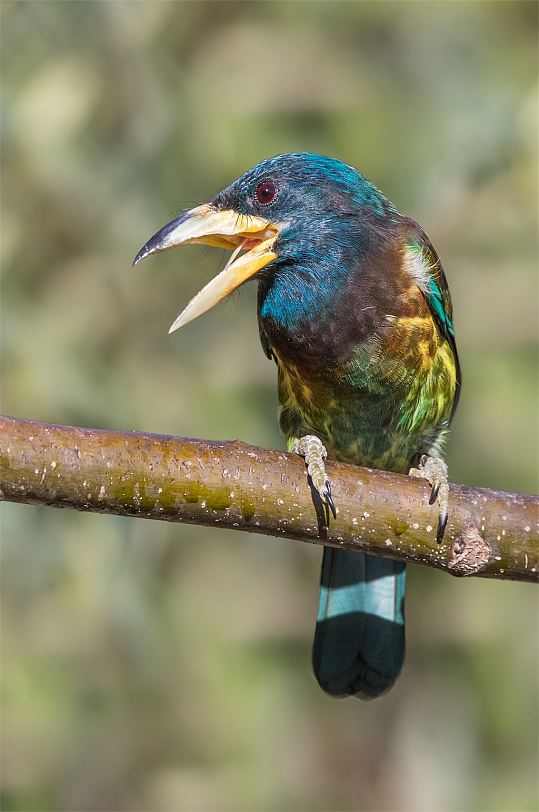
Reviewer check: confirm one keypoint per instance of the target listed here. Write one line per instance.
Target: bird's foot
(314, 452)
(434, 470)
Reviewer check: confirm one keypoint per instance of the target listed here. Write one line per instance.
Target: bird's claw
(434, 493)
(329, 499)
(434, 470)
(314, 452)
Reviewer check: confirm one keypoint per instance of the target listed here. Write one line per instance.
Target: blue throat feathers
(313, 272)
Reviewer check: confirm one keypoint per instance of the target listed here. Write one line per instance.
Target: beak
(224, 229)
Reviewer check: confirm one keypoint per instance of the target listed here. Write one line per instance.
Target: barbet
(354, 308)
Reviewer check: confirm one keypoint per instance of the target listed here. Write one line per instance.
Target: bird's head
(276, 213)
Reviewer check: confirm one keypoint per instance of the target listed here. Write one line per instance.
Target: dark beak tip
(153, 246)
(141, 254)
(158, 243)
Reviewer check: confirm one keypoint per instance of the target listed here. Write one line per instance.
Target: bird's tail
(359, 640)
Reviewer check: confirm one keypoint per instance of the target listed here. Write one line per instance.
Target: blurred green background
(150, 667)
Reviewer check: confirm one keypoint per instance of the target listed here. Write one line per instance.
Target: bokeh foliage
(153, 667)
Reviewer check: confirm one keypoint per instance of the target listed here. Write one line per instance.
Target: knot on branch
(469, 553)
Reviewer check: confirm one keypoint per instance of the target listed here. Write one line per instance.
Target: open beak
(225, 229)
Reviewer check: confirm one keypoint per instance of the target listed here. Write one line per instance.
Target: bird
(354, 308)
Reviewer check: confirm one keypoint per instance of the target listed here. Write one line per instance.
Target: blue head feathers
(305, 183)
(327, 212)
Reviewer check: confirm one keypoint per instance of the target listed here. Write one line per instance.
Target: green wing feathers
(425, 340)
(423, 263)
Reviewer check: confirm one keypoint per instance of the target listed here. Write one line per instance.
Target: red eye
(265, 192)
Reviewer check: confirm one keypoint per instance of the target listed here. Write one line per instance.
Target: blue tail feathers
(359, 640)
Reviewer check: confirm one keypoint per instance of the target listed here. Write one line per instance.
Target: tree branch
(234, 485)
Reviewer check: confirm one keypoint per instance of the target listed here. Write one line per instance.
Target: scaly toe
(434, 471)
(313, 450)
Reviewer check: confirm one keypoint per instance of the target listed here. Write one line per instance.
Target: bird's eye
(265, 192)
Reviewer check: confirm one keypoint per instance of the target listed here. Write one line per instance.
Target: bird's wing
(424, 264)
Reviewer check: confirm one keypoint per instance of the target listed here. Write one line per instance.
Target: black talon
(434, 493)
(329, 499)
(442, 522)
